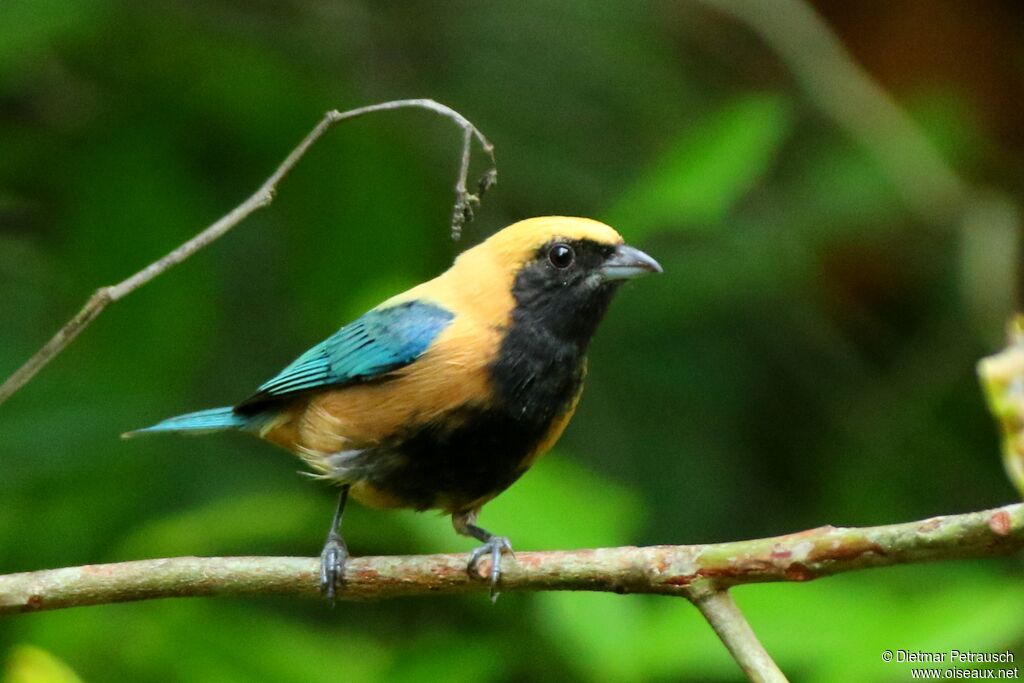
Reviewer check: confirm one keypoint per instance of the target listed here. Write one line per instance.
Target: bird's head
(560, 271)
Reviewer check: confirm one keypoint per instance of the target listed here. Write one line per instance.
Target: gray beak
(627, 263)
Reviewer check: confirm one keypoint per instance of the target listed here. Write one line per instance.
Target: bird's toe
(495, 547)
(332, 565)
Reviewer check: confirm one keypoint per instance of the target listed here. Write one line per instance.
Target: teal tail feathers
(201, 422)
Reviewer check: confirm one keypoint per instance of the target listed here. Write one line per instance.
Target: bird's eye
(561, 256)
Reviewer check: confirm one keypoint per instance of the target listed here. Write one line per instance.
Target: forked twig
(104, 296)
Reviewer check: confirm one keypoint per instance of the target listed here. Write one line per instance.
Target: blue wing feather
(380, 341)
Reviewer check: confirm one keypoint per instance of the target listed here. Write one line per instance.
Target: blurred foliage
(28, 664)
(807, 357)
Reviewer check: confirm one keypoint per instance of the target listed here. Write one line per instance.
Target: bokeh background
(833, 192)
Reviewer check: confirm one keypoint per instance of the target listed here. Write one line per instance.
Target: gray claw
(494, 547)
(332, 565)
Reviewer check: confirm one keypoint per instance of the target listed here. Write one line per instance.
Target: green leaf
(30, 28)
(199, 640)
(30, 664)
(429, 658)
(836, 630)
(558, 504)
(233, 524)
(708, 168)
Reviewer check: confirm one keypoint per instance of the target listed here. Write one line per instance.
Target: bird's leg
(492, 545)
(335, 552)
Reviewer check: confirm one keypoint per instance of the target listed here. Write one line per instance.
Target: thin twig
(689, 571)
(732, 628)
(104, 296)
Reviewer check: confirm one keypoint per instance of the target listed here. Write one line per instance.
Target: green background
(807, 357)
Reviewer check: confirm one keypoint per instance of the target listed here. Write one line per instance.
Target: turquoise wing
(382, 340)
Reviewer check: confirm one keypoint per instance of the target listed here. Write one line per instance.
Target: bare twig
(104, 296)
(725, 617)
(687, 571)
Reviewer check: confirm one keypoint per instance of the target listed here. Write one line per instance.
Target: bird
(443, 396)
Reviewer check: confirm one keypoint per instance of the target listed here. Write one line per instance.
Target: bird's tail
(201, 422)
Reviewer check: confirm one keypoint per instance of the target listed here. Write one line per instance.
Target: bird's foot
(494, 546)
(332, 565)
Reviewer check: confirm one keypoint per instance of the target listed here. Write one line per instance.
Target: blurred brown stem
(988, 220)
(844, 91)
(105, 296)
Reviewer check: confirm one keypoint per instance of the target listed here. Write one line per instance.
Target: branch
(732, 628)
(104, 296)
(700, 573)
(690, 571)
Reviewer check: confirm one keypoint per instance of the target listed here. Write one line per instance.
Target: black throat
(540, 365)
